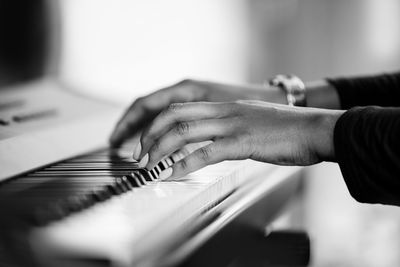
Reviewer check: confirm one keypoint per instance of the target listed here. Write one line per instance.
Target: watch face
(294, 88)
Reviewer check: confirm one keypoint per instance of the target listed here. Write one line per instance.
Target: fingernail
(143, 162)
(137, 151)
(165, 174)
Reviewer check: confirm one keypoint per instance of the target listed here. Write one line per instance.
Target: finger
(131, 122)
(187, 149)
(220, 150)
(185, 133)
(144, 109)
(180, 154)
(176, 117)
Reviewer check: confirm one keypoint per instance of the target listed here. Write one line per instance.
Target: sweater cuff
(345, 91)
(345, 133)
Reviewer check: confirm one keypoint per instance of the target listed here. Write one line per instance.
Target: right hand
(258, 130)
(142, 112)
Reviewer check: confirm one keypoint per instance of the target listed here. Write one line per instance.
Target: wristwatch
(294, 88)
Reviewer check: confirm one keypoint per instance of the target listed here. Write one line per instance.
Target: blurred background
(122, 49)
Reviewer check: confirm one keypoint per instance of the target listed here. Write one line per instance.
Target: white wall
(121, 49)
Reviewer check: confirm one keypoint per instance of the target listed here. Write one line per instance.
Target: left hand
(261, 131)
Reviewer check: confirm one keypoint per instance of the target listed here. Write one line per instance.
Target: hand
(262, 131)
(145, 109)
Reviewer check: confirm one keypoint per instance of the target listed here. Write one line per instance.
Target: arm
(367, 148)
(329, 94)
(344, 93)
(380, 90)
(320, 94)
(271, 132)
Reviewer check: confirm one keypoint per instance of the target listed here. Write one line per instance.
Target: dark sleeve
(367, 148)
(381, 90)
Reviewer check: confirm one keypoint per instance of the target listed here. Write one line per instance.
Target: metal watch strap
(294, 88)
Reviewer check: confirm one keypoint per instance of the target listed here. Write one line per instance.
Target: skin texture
(146, 108)
(191, 112)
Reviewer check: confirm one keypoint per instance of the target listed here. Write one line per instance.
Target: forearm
(367, 149)
(345, 93)
(321, 94)
(378, 90)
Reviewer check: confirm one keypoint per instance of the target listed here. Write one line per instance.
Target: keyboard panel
(56, 191)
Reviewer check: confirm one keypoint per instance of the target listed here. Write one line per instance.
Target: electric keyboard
(66, 198)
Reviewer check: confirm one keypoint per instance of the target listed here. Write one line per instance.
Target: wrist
(321, 133)
(273, 94)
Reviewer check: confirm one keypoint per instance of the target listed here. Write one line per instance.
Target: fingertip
(143, 162)
(154, 159)
(166, 174)
(137, 151)
(176, 176)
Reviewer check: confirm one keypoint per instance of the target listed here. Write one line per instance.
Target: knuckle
(205, 153)
(145, 138)
(174, 107)
(154, 152)
(183, 164)
(164, 113)
(142, 103)
(156, 146)
(182, 128)
(139, 102)
(187, 81)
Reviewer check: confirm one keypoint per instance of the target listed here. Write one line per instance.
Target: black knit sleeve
(367, 148)
(381, 90)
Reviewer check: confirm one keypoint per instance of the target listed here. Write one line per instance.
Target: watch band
(294, 88)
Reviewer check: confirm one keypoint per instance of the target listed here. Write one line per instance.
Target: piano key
(163, 165)
(80, 182)
(101, 194)
(132, 180)
(154, 174)
(127, 183)
(140, 178)
(157, 170)
(89, 168)
(75, 179)
(146, 175)
(96, 164)
(138, 181)
(113, 190)
(81, 173)
(120, 184)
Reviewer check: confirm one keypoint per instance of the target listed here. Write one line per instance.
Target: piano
(67, 199)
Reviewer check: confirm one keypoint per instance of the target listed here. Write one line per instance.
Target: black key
(141, 179)
(162, 165)
(127, 183)
(146, 175)
(103, 194)
(157, 170)
(118, 183)
(132, 180)
(154, 174)
(95, 196)
(113, 189)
